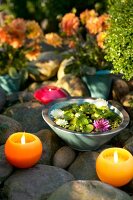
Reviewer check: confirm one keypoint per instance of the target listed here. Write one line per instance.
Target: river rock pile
(62, 172)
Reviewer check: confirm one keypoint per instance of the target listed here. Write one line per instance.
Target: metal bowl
(83, 141)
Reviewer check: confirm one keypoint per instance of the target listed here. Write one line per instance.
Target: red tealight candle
(49, 93)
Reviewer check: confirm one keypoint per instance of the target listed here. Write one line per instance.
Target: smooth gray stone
(88, 190)
(35, 183)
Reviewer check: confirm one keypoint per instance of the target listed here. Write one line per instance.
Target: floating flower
(53, 39)
(77, 115)
(61, 122)
(100, 102)
(101, 125)
(70, 24)
(86, 118)
(57, 113)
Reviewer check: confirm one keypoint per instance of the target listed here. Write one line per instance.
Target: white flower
(61, 122)
(57, 113)
(100, 102)
(77, 115)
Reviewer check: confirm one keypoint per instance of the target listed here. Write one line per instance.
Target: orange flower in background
(33, 30)
(101, 38)
(13, 33)
(71, 44)
(93, 25)
(87, 14)
(103, 21)
(70, 24)
(4, 36)
(20, 42)
(97, 24)
(18, 26)
(20, 32)
(15, 42)
(53, 39)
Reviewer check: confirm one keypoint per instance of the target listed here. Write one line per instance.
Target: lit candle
(115, 166)
(49, 93)
(23, 150)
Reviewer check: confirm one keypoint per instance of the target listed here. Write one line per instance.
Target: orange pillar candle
(23, 150)
(115, 166)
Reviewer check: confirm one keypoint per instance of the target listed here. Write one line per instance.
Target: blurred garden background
(51, 42)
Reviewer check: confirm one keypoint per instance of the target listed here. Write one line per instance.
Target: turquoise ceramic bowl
(83, 141)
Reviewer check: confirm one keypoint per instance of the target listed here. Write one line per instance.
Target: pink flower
(101, 125)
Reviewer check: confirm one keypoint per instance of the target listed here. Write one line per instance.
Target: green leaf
(13, 72)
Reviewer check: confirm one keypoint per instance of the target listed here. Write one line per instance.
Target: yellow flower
(53, 39)
(33, 54)
(70, 24)
(33, 30)
(101, 38)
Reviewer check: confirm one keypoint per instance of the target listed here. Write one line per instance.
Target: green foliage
(131, 103)
(14, 63)
(11, 60)
(27, 9)
(119, 41)
(81, 117)
(87, 57)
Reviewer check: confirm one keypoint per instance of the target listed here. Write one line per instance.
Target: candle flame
(23, 139)
(115, 157)
(50, 89)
